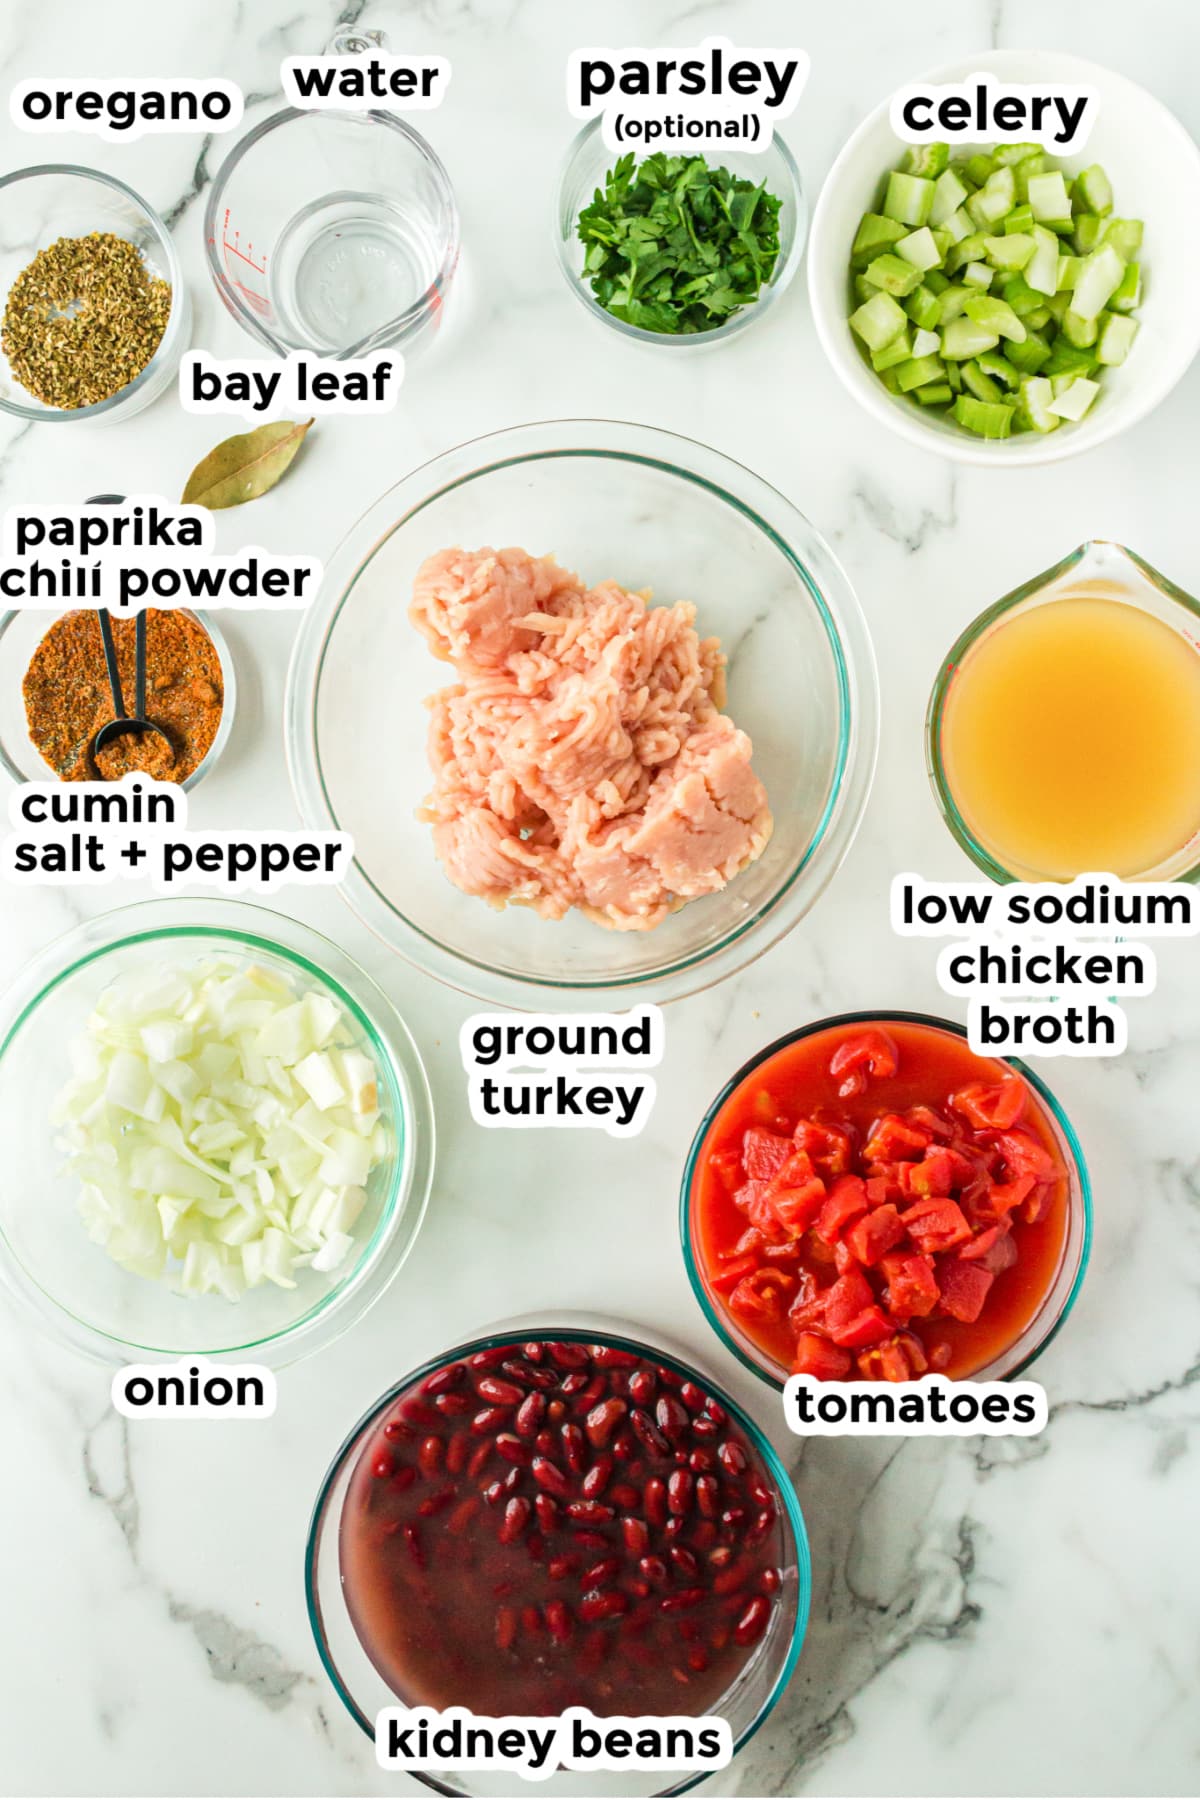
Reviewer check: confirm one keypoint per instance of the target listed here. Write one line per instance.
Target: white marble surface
(988, 1618)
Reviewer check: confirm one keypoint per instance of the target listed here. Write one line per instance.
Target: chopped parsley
(676, 246)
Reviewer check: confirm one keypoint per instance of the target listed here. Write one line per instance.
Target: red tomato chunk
(912, 1220)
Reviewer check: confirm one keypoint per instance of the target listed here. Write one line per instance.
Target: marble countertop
(989, 1616)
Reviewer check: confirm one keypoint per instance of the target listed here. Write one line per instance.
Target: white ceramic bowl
(1154, 166)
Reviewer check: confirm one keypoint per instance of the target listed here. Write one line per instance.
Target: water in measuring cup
(347, 264)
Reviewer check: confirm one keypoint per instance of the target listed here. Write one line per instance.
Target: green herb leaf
(245, 467)
(675, 246)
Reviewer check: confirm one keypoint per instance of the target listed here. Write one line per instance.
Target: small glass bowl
(22, 632)
(333, 233)
(651, 510)
(1098, 568)
(52, 200)
(588, 161)
(69, 1283)
(1063, 1292)
(363, 1690)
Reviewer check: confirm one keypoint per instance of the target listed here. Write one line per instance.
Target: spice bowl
(22, 632)
(589, 159)
(426, 1587)
(50, 1260)
(49, 201)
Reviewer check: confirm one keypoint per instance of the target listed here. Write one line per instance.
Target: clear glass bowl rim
(829, 590)
(1080, 1188)
(411, 1180)
(228, 693)
(574, 1335)
(790, 255)
(57, 415)
(965, 643)
(416, 310)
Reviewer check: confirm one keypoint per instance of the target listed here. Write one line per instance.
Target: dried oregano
(83, 319)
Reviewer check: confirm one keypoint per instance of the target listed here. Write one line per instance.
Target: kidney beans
(604, 1507)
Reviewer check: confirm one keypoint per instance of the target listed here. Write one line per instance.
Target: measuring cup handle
(110, 659)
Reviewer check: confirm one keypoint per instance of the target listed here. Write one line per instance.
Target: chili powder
(68, 698)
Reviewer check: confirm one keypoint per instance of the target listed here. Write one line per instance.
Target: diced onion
(222, 1126)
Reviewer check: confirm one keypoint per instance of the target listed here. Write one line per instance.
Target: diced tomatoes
(893, 1139)
(935, 1225)
(875, 1233)
(912, 1289)
(730, 1273)
(847, 1199)
(868, 1054)
(991, 1108)
(762, 1296)
(964, 1288)
(817, 1356)
(885, 1362)
(796, 1208)
(763, 1152)
(830, 1147)
(1024, 1155)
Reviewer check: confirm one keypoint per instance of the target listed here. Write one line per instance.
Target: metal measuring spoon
(123, 724)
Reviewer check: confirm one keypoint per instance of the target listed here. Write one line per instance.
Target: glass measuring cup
(1084, 752)
(333, 233)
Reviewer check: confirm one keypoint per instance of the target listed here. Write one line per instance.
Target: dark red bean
(559, 1567)
(403, 1478)
(591, 1540)
(513, 1450)
(705, 1427)
(573, 1384)
(732, 1579)
(762, 1524)
(395, 1432)
(704, 1534)
(516, 1517)
(493, 1493)
(531, 1620)
(556, 1412)
(721, 1557)
(753, 1622)
(479, 1460)
(603, 1420)
(650, 1437)
(453, 1406)
(624, 1449)
(429, 1456)
(641, 1386)
(733, 1457)
(549, 1476)
(500, 1393)
(487, 1359)
(602, 1573)
(708, 1496)
(383, 1466)
(700, 1461)
(559, 1622)
(589, 1512)
(596, 1605)
(654, 1570)
(529, 1414)
(626, 1496)
(734, 1520)
(489, 1420)
(412, 1538)
(679, 1492)
(589, 1394)
(568, 1356)
(770, 1581)
(693, 1398)
(442, 1380)
(435, 1503)
(683, 1601)
(636, 1534)
(506, 1627)
(462, 1515)
(654, 1501)
(574, 1448)
(607, 1356)
(597, 1478)
(685, 1562)
(544, 1443)
(716, 1411)
(758, 1490)
(672, 1419)
(532, 1352)
(547, 1511)
(415, 1412)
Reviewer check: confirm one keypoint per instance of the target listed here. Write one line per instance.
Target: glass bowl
(651, 510)
(1097, 569)
(53, 200)
(588, 161)
(363, 1690)
(21, 633)
(1060, 1296)
(46, 1257)
(332, 233)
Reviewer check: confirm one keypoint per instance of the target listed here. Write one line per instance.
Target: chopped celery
(996, 315)
(1099, 279)
(985, 418)
(916, 373)
(1093, 187)
(1116, 339)
(1129, 294)
(923, 309)
(878, 322)
(1034, 402)
(893, 274)
(1075, 400)
(948, 195)
(919, 249)
(1048, 196)
(964, 338)
(928, 160)
(875, 234)
(1080, 332)
(995, 286)
(979, 384)
(1041, 271)
(1011, 252)
(898, 351)
(909, 199)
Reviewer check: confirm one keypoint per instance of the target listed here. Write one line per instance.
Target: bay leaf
(244, 467)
